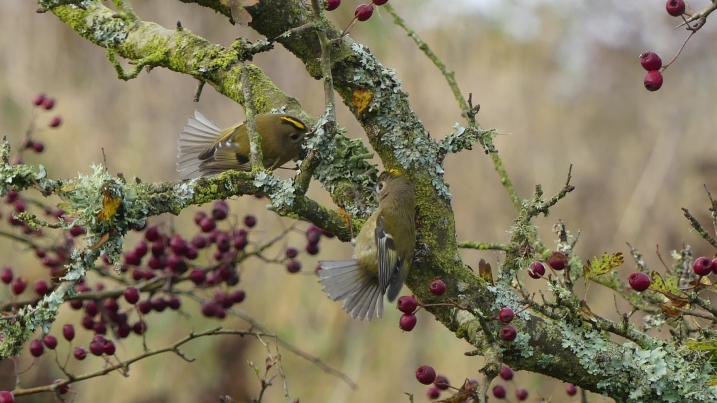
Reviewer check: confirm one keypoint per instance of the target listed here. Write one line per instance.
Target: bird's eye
(379, 187)
(295, 136)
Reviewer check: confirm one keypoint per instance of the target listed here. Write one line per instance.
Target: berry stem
(678, 52)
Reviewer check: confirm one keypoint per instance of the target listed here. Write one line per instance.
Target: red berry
(650, 61)
(177, 264)
(250, 220)
(91, 308)
(55, 122)
(312, 249)
(221, 313)
(313, 235)
(200, 241)
(571, 390)
(702, 266)
(437, 287)
(521, 394)
(237, 296)
(536, 270)
(433, 393)
(407, 304)
(108, 348)
(197, 276)
(557, 260)
(426, 374)
(675, 8)
(62, 389)
(508, 333)
(19, 285)
(145, 307)
(96, 348)
(220, 210)
(506, 315)
(178, 245)
(123, 330)
(80, 353)
(291, 252)
(6, 397)
(506, 373)
(6, 275)
(714, 265)
(41, 287)
(131, 295)
(38, 146)
(294, 266)
(639, 281)
(68, 332)
(240, 242)
(87, 322)
(209, 308)
(407, 322)
(380, 2)
(39, 99)
(363, 12)
(152, 234)
(159, 304)
(499, 391)
(174, 303)
(139, 327)
(50, 341)
(158, 247)
(653, 80)
(157, 262)
(191, 253)
(48, 103)
(332, 5)
(207, 224)
(199, 216)
(36, 348)
(100, 328)
(442, 382)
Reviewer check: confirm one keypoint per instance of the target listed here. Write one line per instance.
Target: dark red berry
(407, 304)
(50, 341)
(55, 122)
(68, 332)
(207, 224)
(650, 61)
(199, 216)
(197, 276)
(442, 382)
(76, 230)
(96, 348)
(220, 210)
(332, 5)
(702, 266)
(714, 265)
(91, 308)
(521, 394)
(41, 287)
(433, 393)
(80, 353)
(313, 235)
(6, 275)
(221, 313)
(152, 234)
(178, 245)
(240, 242)
(158, 247)
(557, 260)
(139, 327)
(100, 328)
(653, 80)
(200, 241)
(131, 295)
(6, 397)
(437, 287)
(506, 373)
(426, 374)
(536, 270)
(209, 308)
(639, 281)
(506, 315)
(145, 307)
(131, 258)
(250, 220)
(407, 322)
(291, 252)
(38, 146)
(380, 2)
(508, 333)
(312, 249)
(177, 264)
(87, 322)
(36, 348)
(109, 347)
(174, 303)
(123, 330)
(62, 389)
(191, 253)
(48, 103)
(675, 8)
(363, 12)
(237, 296)
(159, 304)
(499, 391)
(19, 285)
(39, 99)
(294, 266)
(571, 390)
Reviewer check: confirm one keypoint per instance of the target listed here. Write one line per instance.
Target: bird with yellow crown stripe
(383, 253)
(205, 149)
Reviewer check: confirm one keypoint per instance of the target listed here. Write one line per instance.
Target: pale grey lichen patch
(464, 317)
(106, 30)
(280, 192)
(522, 344)
(505, 297)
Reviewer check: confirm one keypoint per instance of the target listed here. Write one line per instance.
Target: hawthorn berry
(41, 287)
(207, 224)
(506, 315)
(557, 260)
(200, 241)
(178, 245)
(653, 80)
(237, 296)
(508, 333)
(123, 330)
(499, 391)
(312, 249)
(68, 332)
(131, 295)
(506, 373)
(91, 308)
(536, 270)
(55, 122)
(96, 348)
(407, 304)
(19, 285)
(407, 322)
(221, 313)
(380, 2)
(197, 276)
(6, 275)
(139, 327)
(442, 382)
(433, 392)
(199, 216)
(521, 394)
(437, 287)
(425, 374)
(313, 235)
(87, 322)
(294, 266)
(650, 61)
(174, 303)
(50, 341)
(77, 230)
(250, 220)
(145, 307)
(220, 210)
(6, 397)
(571, 390)
(639, 281)
(36, 348)
(702, 266)
(209, 308)
(62, 389)
(675, 8)
(38, 146)
(714, 265)
(80, 353)
(39, 99)
(152, 234)
(48, 103)
(291, 252)
(332, 5)
(363, 12)
(108, 347)
(100, 327)
(240, 242)
(191, 253)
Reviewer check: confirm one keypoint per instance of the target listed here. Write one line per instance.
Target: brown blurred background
(559, 79)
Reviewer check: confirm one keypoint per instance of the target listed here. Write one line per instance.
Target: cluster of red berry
(702, 266)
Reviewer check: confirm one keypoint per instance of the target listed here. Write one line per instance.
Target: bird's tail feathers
(360, 291)
(199, 134)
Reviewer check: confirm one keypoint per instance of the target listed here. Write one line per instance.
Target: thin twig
(698, 227)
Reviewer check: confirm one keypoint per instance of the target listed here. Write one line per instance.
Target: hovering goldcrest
(205, 149)
(383, 253)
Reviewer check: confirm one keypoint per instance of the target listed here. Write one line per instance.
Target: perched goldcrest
(205, 149)
(384, 249)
